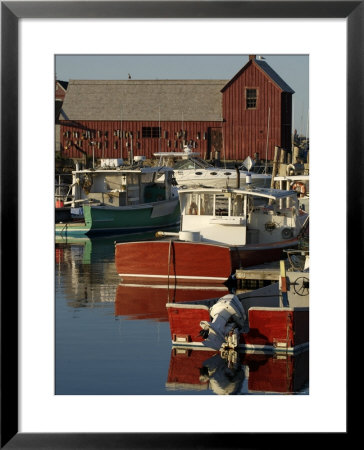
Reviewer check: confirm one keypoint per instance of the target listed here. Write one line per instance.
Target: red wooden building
(226, 119)
(257, 112)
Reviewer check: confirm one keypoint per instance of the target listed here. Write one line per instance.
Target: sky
(293, 69)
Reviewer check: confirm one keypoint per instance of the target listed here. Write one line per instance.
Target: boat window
(147, 177)
(192, 163)
(113, 182)
(207, 204)
(222, 205)
(184, 164)
(132, 178)
(198, 173)
(237, 205)
(213, 173)
(189, 203)
(227, 173)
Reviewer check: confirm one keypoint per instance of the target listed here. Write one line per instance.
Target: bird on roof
(260, 57)
(129, 76)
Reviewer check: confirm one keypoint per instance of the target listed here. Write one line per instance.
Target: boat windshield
(191, 163)
(228, 203)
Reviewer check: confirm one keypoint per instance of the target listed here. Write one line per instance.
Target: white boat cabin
(239, 216)
(122, 186)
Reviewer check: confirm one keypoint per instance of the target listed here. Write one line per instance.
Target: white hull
(220, 178)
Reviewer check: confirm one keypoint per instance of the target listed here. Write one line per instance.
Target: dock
(258, 276)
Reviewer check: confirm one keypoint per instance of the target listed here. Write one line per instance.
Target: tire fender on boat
(299, 187)
(287, 233)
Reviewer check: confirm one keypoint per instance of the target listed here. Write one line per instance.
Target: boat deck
(267, 271)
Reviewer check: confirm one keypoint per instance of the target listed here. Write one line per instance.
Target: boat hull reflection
(140, 301)
(230, 372)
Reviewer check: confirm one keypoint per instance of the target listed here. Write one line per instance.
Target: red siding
(245, 130)
(109, 144)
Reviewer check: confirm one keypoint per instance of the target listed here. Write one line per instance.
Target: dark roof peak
(265, 67)
(274, 76)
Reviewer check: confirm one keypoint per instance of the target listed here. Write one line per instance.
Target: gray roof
(172, 100)
(274, 76)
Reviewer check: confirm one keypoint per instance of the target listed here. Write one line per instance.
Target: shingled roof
(147, 100)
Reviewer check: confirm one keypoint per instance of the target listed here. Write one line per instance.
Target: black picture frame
(11, 12)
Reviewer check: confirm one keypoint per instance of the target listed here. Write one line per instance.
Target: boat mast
(292, 130)
(121, 131)
(266, 150)
(159, 129)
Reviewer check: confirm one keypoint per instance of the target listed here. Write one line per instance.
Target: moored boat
(221, 230)
(122, 200)
(191, 170)
(274, 318)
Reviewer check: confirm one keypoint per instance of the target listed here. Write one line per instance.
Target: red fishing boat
(274, 318)
(221, 230)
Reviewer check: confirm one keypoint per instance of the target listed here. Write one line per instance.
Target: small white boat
(190, 171)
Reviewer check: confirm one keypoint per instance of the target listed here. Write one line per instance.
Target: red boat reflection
(139, 301)
(230, 372)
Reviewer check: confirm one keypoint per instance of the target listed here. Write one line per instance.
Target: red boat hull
(191, 262)
(270, 328)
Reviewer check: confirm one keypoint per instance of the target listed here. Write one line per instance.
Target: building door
(215, 143)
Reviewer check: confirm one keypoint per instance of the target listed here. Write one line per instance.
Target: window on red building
(251, 98)
(151, 132)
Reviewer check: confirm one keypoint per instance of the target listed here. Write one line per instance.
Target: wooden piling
(296, 152)
(275, 165)
(283, 156)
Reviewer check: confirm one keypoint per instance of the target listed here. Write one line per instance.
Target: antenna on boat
(237, 176)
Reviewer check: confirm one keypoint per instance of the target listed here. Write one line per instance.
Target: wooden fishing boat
(274, 318)
(122, 200)
(221, 230)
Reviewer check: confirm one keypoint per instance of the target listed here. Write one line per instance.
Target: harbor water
(114, 339)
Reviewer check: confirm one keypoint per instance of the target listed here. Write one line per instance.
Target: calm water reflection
(113, 338)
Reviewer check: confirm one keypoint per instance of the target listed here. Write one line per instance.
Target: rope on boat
(169, 264)
(171, 248)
